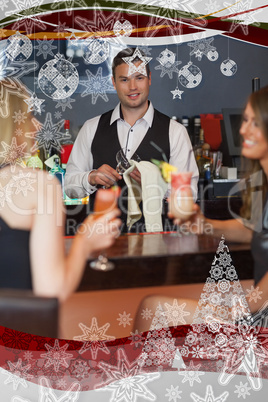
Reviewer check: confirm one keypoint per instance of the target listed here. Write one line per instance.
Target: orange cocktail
(105, 201)
(181, 198)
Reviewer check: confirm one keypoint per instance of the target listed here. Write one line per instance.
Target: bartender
(133, 125)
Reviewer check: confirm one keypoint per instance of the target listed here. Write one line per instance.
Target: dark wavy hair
(259, 102)
(129, 51)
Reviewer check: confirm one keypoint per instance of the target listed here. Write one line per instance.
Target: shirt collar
(148, 117)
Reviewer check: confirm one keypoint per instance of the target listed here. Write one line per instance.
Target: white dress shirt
(80, 162)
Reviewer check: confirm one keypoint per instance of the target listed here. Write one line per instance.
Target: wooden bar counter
(163, 259)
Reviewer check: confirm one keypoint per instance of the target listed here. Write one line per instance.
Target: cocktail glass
(181, 197)
(105, 201)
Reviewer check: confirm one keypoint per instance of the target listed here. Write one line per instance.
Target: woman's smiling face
(254, 145)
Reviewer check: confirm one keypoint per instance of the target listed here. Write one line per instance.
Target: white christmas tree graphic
(159, 348)
(221, 327)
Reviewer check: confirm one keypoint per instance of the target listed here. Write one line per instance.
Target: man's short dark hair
(128, 52)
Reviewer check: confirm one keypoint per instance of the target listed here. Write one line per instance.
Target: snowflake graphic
(223, 285)
(64, 103)
(56, 355)
(18, 132)
(177, 93)
(10, 85)
(61, 384)
(136, 338)
(28, 355)
(100, 22)
(45, 47)
(3, 174)
(96, 85)
(14, 154)
(224, 259)
(173, 394)
(124, 319)
(58, 115)
(209, 396)
(254, 294)
(173, 28)
(69, 5)
(61, 29)
(231, 273)
(17, 374)
(19, 117)
(126, 380)
(211, 6)
(175, 313)
(94, 338)
(170, 8)
(79, 369)
(168, 64)
(191, 373)
(243, 17)
(158, 350)
(216, 272)
(26, 9)
(242, 390)
(22, 183)
(201, 47)
(34, 104)
(48, 135)
(146, 314)
(47, 394)
(3, 4)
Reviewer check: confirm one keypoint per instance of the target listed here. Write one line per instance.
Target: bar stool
(23, 311)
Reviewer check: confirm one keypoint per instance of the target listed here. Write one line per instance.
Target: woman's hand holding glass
(105, 203)
(101, 232)
(181, 198)
(182, 209)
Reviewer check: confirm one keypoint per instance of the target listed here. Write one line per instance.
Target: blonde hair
(259, 103)
(12, 101)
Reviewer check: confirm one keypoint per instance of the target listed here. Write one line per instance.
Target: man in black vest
(133, 125)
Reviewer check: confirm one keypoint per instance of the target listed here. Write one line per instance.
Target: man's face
(132, 90)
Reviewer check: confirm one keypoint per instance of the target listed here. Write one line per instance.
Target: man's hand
(135, 174)
(105, 175)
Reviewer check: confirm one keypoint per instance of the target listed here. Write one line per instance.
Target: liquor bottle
(34, 161)
(197, 128)
(198, 147)
(67, 146)
(57, 171)
(255, 84)
(186, 123)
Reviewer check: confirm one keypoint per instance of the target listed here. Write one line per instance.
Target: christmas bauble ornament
(228, 67)
(122, 28)
(96, 51)
(190, 75)
(58, 78)
(213, 55)
(19, 47)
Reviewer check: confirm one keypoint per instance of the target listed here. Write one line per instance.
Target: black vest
(105, 144)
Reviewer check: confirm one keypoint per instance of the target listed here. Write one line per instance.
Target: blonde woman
(32, 216)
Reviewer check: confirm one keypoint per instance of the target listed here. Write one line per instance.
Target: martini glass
(105, 201)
